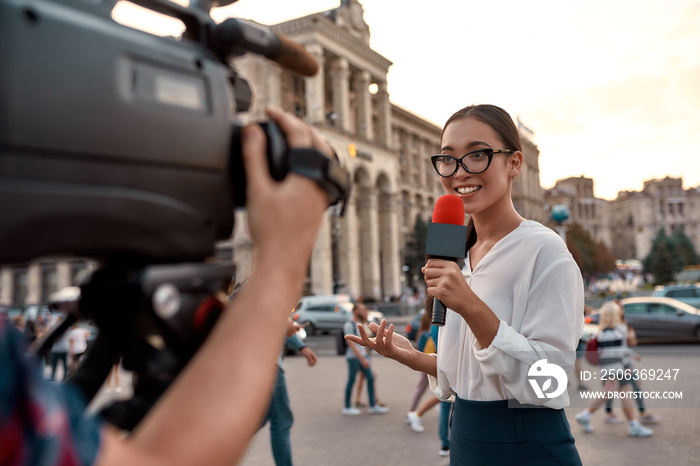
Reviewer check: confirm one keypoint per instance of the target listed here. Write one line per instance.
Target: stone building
(385, 147)
(31, 284)
(662, 203)
(584, 208)
(628, 224)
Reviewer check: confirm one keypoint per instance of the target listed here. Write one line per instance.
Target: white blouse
(531, 282)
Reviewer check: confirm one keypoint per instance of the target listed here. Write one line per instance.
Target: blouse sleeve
(549, 330)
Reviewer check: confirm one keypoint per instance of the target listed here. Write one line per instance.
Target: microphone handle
(439, 311)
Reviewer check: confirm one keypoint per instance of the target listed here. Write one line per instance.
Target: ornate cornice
(400, 114)
(319, 23)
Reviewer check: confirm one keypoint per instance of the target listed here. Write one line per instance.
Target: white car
(326, 312)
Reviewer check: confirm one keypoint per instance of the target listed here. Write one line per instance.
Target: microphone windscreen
(449, 209)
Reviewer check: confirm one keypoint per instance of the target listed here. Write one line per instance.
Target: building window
(294, 94)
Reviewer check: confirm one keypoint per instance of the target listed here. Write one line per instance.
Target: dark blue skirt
(505, 432)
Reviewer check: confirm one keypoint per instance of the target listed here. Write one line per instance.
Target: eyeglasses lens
(474, 162)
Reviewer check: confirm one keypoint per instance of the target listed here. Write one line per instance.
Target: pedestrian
(427, 343)
(612, 352)
(422, 385)
(59, 351)
(279, 414)
(515, 302)
(361, 376)
(580, 354)
(211, 411)
(358, 360)
(630, 341)
(77, 346)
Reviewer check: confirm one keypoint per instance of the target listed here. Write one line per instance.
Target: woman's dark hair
(497, 118)
(501, 122)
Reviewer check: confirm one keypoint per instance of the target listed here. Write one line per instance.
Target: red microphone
(447, 239)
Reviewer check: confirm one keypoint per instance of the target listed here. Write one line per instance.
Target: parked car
(323, 313)
(689, 294)
(663, 318)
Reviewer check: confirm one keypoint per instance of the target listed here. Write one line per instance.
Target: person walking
(358, 360)
(59, 351)
(422, 385)
(77, 346)
(427, 344)
(361, 377)
(279, 414)
(516, 301)
(613, 351)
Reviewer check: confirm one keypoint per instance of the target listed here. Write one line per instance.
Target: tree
(583, 247)
(685, 247)
(592, 257)
(604, 258)
(415, 249)
(663, 260)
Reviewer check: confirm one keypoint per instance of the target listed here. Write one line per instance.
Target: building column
(315, 88)
(34, 284)
(368, 230)
(340, 77)
(322, 259)
(361, 82)
(349, 249)
(6, 286)
(64, 277)
(389, 237)
(274, 85)
(384, 127)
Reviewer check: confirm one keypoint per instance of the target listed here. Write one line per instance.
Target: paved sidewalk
(323, 436)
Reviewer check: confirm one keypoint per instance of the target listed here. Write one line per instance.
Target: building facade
(385, 147)
(593, 214)
(628, 224)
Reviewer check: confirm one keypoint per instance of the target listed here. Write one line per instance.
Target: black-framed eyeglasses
(474, 162)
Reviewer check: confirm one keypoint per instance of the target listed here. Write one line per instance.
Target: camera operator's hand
(283, 213)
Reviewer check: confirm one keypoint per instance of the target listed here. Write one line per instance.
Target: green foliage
(415, 249)
(685, 248)
(591, 257)
(664, 259)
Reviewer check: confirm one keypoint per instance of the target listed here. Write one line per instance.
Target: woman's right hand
(386, 342)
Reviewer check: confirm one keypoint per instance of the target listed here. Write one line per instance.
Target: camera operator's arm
(216, 405)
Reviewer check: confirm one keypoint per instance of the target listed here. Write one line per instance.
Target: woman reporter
(517, 300)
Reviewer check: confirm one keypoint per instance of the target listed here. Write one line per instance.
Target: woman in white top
(613, 352)
(514, 309)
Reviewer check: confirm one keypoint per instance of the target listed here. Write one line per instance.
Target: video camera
(122, 146)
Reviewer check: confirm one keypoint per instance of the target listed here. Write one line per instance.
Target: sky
(611, 89)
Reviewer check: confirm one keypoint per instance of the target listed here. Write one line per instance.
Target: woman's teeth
(467, 190)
